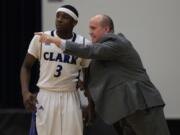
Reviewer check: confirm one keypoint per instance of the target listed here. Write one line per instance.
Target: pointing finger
(38, 33)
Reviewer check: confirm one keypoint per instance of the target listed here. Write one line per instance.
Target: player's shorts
(58, 113)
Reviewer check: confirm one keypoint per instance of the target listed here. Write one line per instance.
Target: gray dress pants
(143, 122)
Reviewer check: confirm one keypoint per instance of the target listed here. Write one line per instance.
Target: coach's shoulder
(109, 37)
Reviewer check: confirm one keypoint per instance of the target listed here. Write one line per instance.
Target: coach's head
(66, 18)
(100, 25)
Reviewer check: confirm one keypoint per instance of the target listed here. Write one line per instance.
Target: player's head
(100, 25)
(66, 18)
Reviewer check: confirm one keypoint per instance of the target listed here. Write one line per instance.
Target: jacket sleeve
(101, 51)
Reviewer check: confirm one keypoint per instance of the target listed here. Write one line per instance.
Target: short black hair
(107, 21)
(73, 9)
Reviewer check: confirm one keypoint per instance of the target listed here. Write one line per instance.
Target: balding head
(107, 21)
(104, 21)
(100, 25)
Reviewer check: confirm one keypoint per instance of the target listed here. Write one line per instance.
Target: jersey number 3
(58, 71)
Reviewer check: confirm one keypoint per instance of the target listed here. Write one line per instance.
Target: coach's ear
(107, 29)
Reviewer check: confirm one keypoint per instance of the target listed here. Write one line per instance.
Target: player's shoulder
(81, 39)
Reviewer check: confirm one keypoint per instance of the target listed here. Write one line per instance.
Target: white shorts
(58, 113)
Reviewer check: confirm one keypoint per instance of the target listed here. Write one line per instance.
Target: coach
(121, 90)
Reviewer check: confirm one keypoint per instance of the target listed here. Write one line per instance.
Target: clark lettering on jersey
(60, 57)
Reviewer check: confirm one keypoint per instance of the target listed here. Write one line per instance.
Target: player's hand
(48, 39)
(89, 114)
(80, 85)
(29, 101)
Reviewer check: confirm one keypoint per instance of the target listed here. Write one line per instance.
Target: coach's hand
(48, 39)
(29, 101)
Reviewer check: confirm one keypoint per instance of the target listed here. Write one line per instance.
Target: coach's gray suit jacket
(117, 80)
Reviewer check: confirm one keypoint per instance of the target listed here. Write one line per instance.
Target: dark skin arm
(89, 111)
(89, 114)
(29, 99)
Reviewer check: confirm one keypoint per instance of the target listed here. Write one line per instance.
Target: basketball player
(56, 109)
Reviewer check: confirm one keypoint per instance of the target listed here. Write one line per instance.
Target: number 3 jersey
(58, 71)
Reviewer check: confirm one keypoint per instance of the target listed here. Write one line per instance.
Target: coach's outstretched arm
(102, 51)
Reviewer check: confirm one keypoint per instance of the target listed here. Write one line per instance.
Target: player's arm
(89, 114)
(89, 111)
(29, 99)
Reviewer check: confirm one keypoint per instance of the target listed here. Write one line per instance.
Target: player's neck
(65, 35)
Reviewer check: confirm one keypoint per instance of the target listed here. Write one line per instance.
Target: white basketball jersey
(58, 71)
